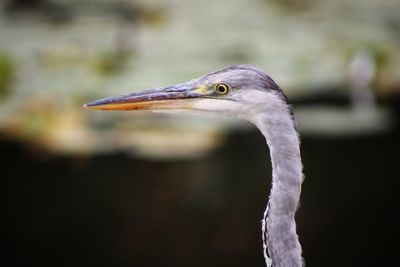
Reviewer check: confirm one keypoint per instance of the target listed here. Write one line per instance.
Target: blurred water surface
(58, 55)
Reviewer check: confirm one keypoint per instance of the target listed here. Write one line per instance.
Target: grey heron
(244, 92)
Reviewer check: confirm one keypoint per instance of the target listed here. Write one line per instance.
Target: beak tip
(88, 105)
(94, 104)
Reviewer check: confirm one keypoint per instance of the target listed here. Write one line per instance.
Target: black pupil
(221, 88)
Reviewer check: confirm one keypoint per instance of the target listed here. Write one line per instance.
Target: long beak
(178, 96)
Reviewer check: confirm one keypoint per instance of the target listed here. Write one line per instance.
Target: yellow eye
(221, 88)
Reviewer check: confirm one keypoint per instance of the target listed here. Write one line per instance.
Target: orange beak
(179, 96)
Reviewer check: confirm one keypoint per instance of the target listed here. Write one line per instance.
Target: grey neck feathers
(280, 240)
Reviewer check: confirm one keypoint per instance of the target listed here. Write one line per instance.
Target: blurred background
(85, 188)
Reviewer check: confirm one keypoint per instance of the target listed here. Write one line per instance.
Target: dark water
(116, 210)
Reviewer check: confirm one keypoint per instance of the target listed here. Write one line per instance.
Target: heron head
(240, 91)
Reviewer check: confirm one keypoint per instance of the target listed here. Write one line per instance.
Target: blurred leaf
(7, 70)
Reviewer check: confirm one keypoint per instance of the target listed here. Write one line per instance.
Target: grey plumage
(251, 95)
(255, 78)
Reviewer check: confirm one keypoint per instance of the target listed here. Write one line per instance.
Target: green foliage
(7, 71)
(109, 63)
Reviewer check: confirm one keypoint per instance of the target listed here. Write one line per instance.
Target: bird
(244, 92)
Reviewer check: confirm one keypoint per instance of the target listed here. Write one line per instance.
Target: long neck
(280, 240)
